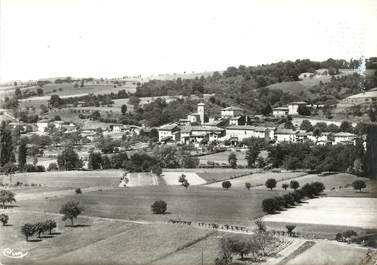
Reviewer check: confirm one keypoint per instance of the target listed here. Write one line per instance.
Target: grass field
(258, 179)
(351, 212)
(96, 241)
(223, 158)
(171, 178)
(324, 253)
(197, 203)
(74, 179)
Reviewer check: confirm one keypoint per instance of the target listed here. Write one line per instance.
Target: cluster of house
(292, 109)
(233, 127)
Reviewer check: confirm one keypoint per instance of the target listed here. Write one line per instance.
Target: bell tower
(201, 111)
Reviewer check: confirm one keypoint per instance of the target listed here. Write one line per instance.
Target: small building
(247, 131)
(293, 107)
(42, 125)
(231, 112)
(285, 135)
(168, 132)
(344, 138)
(196, 134)
(238, 120)
(280, 111)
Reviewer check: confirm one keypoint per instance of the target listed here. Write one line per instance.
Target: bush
(4, 218)
(280, 203)
(32, 168)
(290, 229)
(308, 190)
(78, 191)
(226, 184)
(318, 187)
(294, 184)
(269, 205)
(285, 186)
(359, 184)
(270, 183)
(248, 185)
(159, 207)
(289, 199)
(52, 166)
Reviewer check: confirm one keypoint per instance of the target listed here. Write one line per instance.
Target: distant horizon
(168, 73)
(111, 38)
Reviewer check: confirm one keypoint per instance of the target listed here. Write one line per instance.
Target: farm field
(258, 179)
(74, 179)
(339, 181)
(222, 157)
(141, 179)
(197, 203)
(323, 253)
(104, 241)
(346, 212)
(171, 178)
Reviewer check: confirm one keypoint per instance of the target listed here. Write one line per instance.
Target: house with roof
(197, 117)
(293, 107)
(238, 133)
(231, 111)
(42, 125)
(196, 134)
(169, 132)
(284, 135)
(280, 111)
(344, 138)
(365, 97)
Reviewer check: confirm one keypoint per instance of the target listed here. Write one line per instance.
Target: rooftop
(233, 108)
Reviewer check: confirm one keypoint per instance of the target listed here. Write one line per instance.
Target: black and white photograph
(188, 132)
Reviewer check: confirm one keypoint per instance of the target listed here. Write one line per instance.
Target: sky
(111, 38)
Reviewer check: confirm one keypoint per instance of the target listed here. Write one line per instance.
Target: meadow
(222, 158)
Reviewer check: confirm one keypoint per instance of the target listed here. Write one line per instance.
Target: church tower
(201, 112)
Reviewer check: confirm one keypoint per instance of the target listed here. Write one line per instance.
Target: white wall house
(247, 131)
(344, 138)
(280, 111)
(231, 112)
(42, 125)
(293, 107)
(168, 131)
(285, 135)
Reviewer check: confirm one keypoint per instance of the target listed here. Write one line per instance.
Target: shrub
(285, 186)
(52, 166)
(294, 184)
(308, 190)
(78, 191)
(289, 199)
(50, 224)
(359, 184)
(4, 218)
(270, 183)
(269, 205)
(261, 226)
(28, 230)
(247, 185)
(280, 203)
(290, 229)
(159, 207)
(226, 184)
(70, 210)
(318, 187)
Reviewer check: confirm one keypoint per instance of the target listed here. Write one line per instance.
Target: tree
(285, 186)
(22, 152)
(269, 206)
(6, 196)
(95, 161)
(290, 229)
(186, 184)
(308, 190)
(28, 230)
(303, 110)
(318, 187)
(69, 159)
(182, 178)
(271, 183)
(253, 151)
(345, 126)
(4, 218)
(267, 110)
(226, 184)
(6, 147)
(232, 159)
(294, 184)
(159, 207)
(78, 191)
(359, 184)
(123, 109)
(9, 169)
(247, 185)
(306, 125)
(50, 224)
(134, 100)
(156, 169)
(70, 210)
(52, 166)
(55, 101)
(317, 132)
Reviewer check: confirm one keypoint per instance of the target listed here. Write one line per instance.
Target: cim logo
(14, 254)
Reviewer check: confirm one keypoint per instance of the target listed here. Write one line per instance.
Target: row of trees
(28, 230)
(309, 190)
